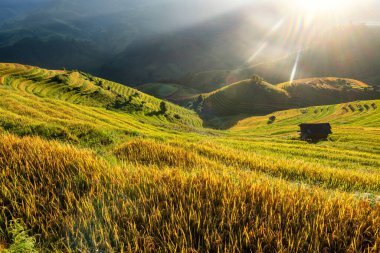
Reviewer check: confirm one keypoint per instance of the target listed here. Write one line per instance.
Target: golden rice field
(77, 176)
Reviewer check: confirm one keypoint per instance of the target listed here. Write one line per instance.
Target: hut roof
(322, 128)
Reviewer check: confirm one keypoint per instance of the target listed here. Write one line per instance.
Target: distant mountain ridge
(347, 51)
(156, 41)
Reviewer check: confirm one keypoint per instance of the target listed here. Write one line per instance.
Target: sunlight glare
(264, 44)
(315, 6)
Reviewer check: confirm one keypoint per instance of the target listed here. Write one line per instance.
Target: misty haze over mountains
(139, 41)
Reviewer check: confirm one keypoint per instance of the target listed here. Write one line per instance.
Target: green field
(80, 173)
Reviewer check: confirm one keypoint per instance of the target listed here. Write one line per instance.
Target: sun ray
(295, 67)
(264, 44)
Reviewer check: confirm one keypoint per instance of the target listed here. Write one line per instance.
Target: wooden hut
(315, 132)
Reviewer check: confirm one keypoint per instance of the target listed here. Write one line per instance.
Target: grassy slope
(245, 97)
(172, 92)
(248, 97)
(82, 89)
(146, 184)
(328, 90)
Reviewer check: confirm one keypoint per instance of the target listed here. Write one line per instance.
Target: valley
(92, 165)
(189, 126)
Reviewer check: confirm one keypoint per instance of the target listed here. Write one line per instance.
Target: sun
(315, 6)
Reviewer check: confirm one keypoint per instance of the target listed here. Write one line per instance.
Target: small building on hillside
(315, 132)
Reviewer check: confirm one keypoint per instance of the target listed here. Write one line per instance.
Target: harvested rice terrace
(253, 144)
(136, 169)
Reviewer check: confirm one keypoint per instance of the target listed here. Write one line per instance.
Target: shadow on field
(223, 123)
(155, 113)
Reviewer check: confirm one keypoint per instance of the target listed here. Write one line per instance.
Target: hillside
(329, 90)
(245, 97)
(172, 92)
(78, 173)
(84, 89)
(208, 81)
(346, 115)
(252, 97)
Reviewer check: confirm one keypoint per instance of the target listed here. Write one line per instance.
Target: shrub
(200, 99)
(189, 105)
(163, 107)
(62, 78)
(257, 79)
(19, 238)
(271, 119)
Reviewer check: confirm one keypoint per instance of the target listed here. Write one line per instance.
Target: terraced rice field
(79, 90)
(80, 177)
(251, 98)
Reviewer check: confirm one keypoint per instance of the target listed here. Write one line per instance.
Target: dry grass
(154, 153)
(72, 200)
(326, 82)
(3, 246)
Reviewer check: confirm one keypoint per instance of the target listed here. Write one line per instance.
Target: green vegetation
(174, 93)
(208, 81)
(20, 240)
(163, 90)
(83, 89)
(257, 97)
(245, 97)
(87, 173)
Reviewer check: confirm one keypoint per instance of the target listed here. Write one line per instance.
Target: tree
(163, 107)
(271, 119)
(199, 99)
(257, 79)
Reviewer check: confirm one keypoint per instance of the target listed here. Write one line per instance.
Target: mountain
(55, 53)
(138, 42)
(172, 92)
(108, 29)
(248, 96)
(222, 42)
(88, 164)
(257, 97)
(10, 9)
